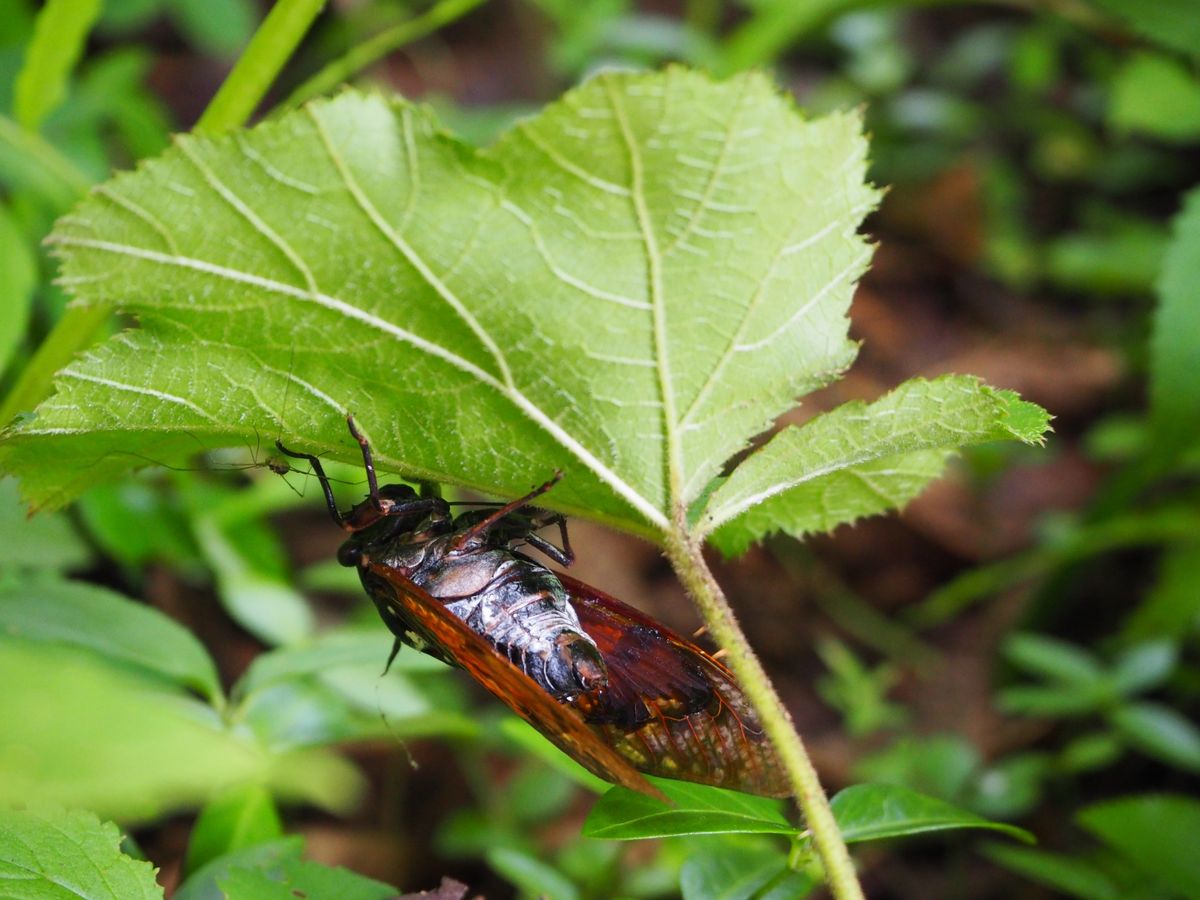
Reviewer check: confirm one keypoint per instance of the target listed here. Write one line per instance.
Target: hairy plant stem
(268, 51)
(687, 558)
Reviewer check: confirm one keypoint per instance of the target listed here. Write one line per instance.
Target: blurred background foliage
(1021, 641)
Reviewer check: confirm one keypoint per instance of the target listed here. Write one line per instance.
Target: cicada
(617, 691)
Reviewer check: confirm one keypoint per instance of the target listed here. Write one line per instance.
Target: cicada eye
(349, 554)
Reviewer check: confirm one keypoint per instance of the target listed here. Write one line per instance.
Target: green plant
(469, 285)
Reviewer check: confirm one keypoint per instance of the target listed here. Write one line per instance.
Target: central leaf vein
(637, 191)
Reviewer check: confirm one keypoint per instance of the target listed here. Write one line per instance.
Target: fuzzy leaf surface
(58, 854)
(861, 459)
(628, 287)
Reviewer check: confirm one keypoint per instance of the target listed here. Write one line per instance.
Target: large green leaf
(862, 458)
(628, 286)
(50, 855)
(123, 745)
(1156, 833)
(51, 609)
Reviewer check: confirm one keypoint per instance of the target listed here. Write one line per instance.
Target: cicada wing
(670, 708)
(562, 725)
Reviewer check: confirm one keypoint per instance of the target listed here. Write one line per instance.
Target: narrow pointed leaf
(862, 459)
(870, 812)
(622, 814)
(59, 36)
(628, 287)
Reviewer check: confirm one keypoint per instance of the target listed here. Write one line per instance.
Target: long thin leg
(563, 555)
(481, 527)
(321, 477)
(563, 558)
(368, 463)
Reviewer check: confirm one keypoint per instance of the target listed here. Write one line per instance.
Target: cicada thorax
(516, 604)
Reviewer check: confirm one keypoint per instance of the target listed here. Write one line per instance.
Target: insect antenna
(400, 742)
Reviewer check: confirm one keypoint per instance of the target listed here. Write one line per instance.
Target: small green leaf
(725, 872)
(622, 814)
(292, 878)
(42, 608)
(1066, 874)
(1012, 786)
(1144, 666)
(532, 876)
(328, 652)
(1155, 833)
(1161, 732)
(862, 459)
(45, 541)
(311, 712)
(261, 600)
(1172, 607)
(1119, 260)
(1174, 388)
(1050, 702)
(1090, 752)
(1156, 96)
(135, 522)
(1053, 659)
(944, 765)
(869, 812)
(46, 855)
(58, 41)
(238, 818)
(1173, 23)
(19, 265)
(203, 883)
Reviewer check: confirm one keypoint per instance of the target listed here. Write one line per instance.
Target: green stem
(361, 56)
(270, 48)
(687, 558)
(75, 331)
